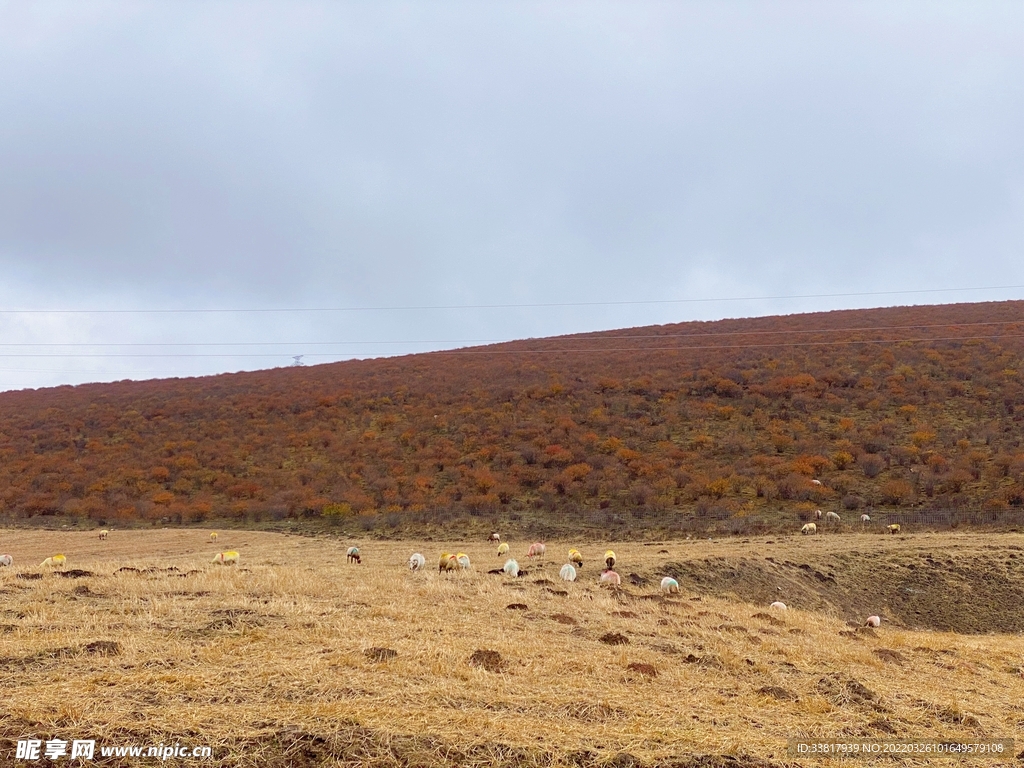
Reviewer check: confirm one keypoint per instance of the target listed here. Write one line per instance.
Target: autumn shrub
(852, 501)
(871, 465)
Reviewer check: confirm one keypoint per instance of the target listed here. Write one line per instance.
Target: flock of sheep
(449, 562)
(833, 517)
(459, 561)
(59, 561)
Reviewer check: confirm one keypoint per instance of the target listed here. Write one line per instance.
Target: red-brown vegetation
(914, 407)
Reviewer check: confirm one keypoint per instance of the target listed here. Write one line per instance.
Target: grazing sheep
(496, 537)
(865, 518)
(668, 584)
(448, 563)
(502, 549)
(816, 482)
(352, 555)
(817, 514)
(780, 605)
(832, 517)
(226, 558)
(463, 560)
(609, 559)
(809, 528)
(213, 535)
(536, 550)
(567, 573)
(56, 560)
(894, 528)
(611, 577)
(5, 561)
(511, 568)
(417, 561)
(104, 533)
(576, 558)
(873, 621)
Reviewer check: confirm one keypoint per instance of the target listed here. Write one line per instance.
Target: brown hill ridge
(735, 424)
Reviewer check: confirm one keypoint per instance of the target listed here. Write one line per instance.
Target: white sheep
(865, 518)
(567, 573)
(417, 561)
(537, 550)
(809, 528)
(894, 528)
(609, 559)
(496, 537)
(576, 558)
(502, 549)
(832, 517)
(5, 561)
(816, 482)
(448, 562)
(213, 535)
(611, 577)
(463, 560)
(104, 533)
(779, 605)
(817, 514)
(352, 555)
(511, 567)
(873, 621)
(668, 584)
(226, 558)
(55, 560)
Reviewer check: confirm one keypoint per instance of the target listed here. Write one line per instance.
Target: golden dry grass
(266, 661)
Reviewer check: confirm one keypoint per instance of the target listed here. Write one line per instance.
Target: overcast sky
(302, 155)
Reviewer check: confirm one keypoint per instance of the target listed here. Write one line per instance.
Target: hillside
(736, 424)
(296, 659)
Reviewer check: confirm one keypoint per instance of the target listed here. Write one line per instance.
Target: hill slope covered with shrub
(667, 426)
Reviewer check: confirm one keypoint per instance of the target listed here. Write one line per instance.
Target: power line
(590, 350)
(541, 305)
(586, 336)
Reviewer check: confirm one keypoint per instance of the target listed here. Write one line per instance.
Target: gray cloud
(251, 155)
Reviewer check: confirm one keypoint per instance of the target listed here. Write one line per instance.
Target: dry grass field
(271, 662)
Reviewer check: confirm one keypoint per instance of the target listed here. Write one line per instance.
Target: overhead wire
(531, 305)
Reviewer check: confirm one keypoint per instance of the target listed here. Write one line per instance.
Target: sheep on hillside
(495, 537)
(809, 528)
(417, 561)
(779, 605)
(226, 558)
(511, 568)
(865, 518)
(816, 482)
(5, 561)
(873, 621)
(576, 558)
(104, 533)
(609, 559)
(611, 577)
(352, 555)
(537, 550)
(502, 549)
(463, 560)
(894, 528)
(817, 514)
(567, 573)
(56, 560)
(448, 563)
(668, 584)
(213, 535)
(832, 517)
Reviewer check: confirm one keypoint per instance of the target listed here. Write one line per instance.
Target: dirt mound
(913, 589)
